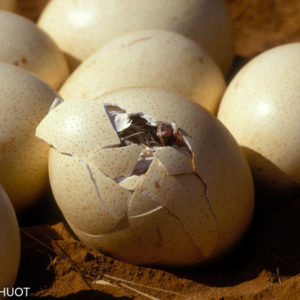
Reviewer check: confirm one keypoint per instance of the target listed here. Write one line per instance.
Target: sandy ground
(265, 265)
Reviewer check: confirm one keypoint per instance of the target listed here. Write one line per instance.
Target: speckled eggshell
(81, 27)
(24, 101)
(261, 108)
(157, 59)
(10, 243)
(10, 5)
(187, 207)
(27, 46)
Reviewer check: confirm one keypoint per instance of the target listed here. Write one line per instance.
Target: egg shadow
(238, 63)
(44, 211)
(278, 186)
(72, 61)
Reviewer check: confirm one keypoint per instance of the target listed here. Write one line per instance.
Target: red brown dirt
(260, 25)
(264, 266)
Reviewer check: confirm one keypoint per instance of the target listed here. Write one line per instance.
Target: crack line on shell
(177, 218)
(186, 232)
(92, 179)
(203, 183)
(96, 187)
(207, 199)
(147, 213)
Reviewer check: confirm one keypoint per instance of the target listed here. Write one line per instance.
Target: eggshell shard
(24, 101)
(174, 161)
(261, 108)
(100, 202)
(146, 199)
(27, 46)
(157, 59)
(74, 132)
(185, 210)
(184, 197)
(10, 242)
(82, 27)
(117, 162)
(131, 183)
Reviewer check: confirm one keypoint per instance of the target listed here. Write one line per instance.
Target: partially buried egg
(261, 108)
(27, 46)
(81, 27)
(148, 177)
(24, 101)
(151, 58)
(9, 241)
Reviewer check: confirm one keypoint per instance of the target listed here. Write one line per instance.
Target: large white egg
(10, 243)
(24, 101)
(157, 59)
(27, 46)
(148, 177)
(261, 108)
(81, 27)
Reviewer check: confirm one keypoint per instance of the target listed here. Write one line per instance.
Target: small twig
(278, 275)
(137, 291)
(131, 135)
(38, 241)
(143, 285)
(279, 259)
(104, 282)
(126, 286)
(61, 229)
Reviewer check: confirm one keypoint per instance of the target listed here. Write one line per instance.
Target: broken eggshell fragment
(178, 190)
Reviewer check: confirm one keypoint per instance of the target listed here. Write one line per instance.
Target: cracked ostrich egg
(148, 177)
(24, 100)
(27, 46)
(261, 108)
(9, 241)
(156, 59)
(81, 27)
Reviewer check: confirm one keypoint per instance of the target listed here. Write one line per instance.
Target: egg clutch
(150, 157)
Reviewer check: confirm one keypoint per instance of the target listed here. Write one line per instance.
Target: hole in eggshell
(142, 129)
